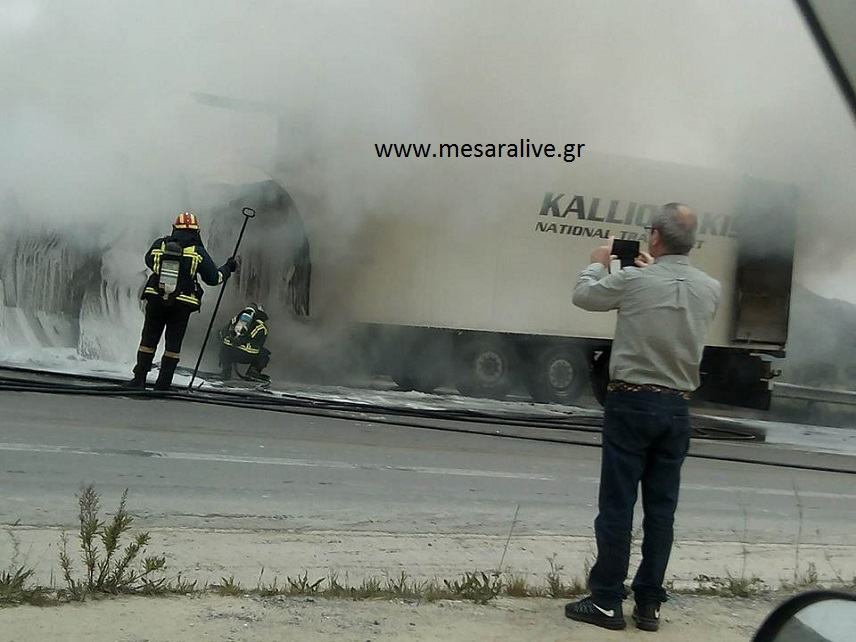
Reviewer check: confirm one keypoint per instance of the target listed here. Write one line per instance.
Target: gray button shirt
(664, 312)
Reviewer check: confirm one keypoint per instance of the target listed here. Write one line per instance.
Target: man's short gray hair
(677, 225)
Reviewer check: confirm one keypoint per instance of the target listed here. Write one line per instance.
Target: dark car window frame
(833, 61)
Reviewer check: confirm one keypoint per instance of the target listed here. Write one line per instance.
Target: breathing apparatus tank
(168, 274)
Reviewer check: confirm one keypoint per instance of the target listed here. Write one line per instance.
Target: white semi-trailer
(450, 272)
(461, 272)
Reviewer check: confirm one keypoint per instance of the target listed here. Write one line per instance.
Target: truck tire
(558, 375)
(485, 367)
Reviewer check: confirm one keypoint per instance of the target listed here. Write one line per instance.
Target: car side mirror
(816, 616)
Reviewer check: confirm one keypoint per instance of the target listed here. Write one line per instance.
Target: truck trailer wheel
(484, 368)
(558, 375)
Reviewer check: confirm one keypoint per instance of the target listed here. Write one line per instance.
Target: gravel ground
(210, 617)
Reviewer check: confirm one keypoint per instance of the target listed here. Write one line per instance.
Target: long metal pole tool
(248, 213)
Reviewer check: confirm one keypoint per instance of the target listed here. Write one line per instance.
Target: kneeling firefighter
(242, 341)
(172, 294)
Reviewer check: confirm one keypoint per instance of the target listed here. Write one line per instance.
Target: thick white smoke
(104, 116)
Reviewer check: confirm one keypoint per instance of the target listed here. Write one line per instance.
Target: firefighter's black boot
(167, 370)
(144, 364)
(225, 361)
(256, 375)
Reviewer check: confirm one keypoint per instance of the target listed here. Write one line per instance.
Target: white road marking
(781, 492)
(267, 461)
(749, 490)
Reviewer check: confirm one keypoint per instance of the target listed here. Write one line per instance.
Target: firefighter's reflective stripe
(150, 291)
(246, 347)
(156, 258)
(195, 259)
(192, 299)
(261, 327)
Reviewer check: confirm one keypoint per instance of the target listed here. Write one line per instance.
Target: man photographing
(665, 307)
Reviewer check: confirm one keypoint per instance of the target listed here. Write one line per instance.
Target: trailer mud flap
(736, 379)
(728, 377)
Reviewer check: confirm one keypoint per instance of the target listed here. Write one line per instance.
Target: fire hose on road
(571, 431)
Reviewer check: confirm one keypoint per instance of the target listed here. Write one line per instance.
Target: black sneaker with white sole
(647, 616)
(587, 611)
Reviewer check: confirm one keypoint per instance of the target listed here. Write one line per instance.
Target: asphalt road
(203, 466)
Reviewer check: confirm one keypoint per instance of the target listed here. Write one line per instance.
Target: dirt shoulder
(208, 555)
(210, 617)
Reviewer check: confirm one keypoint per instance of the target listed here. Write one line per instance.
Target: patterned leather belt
(623, 386)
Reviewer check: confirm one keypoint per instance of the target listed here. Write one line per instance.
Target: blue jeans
(646, 436)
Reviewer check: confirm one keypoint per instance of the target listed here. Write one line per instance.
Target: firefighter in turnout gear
(242, 341)
(172, 293)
